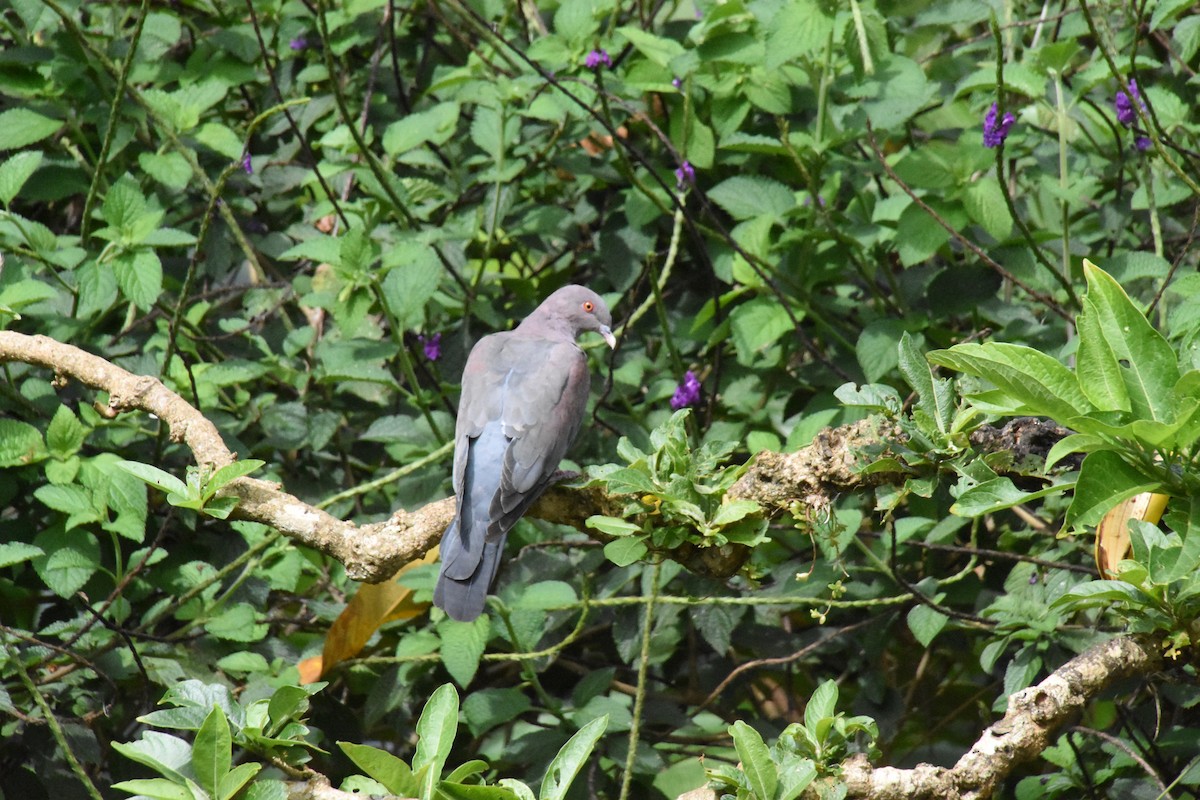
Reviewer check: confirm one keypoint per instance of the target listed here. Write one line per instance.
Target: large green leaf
(1124, 363)
(1041, 385)
(1105, 479)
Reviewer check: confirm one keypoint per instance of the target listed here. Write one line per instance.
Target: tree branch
(811, 476)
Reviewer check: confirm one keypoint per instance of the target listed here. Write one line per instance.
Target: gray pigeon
(524, 394)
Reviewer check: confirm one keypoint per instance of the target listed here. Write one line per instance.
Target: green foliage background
(274, 206)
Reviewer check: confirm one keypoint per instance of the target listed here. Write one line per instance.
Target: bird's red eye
(588, 306)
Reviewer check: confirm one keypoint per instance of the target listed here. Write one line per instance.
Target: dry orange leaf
(372, 605)
(1112, 534)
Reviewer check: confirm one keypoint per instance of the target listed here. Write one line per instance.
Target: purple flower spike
(299, 43)
(432, 345)
(1142, 143)
(598, 58)
(1126, 114)
(246, 165)
(995, 131)
(687, 393)
(685, 175)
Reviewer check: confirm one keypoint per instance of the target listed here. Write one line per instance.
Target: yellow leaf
(1112, 534)
(372, 605)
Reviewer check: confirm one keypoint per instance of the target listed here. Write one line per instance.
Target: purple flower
(677, 82)
(597, 58)
(299, 43)
(432, 345)
(246, 165)
(684, 175)
(996, 131)
(686, 393)
(1142, 143)
(1126, 114)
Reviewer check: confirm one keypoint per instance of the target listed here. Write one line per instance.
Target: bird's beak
(607, 333)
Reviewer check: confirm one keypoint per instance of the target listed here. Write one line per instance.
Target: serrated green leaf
(918, 235)
(658, 49)
(414, 273)
(16, 552)
(139, 275)
(756, 325)
(926, 623)
(463, 644)
(984, 202)
(16, 171)
(20, 443)
(749, 196)
(435, 125)
(935, 396)
(20, 127)
(69, 559)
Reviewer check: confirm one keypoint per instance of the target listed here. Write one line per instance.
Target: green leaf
(487, 708)
(435, 125)
(1041, 385)
(436, 730)
(658, 49)
(1124, 363)
(926, 623)
(157, 788)
(1105, 479)
(613, 526)
(570, 759)
(212, 751)
(165, 754)
(984, 202)
(384, 767)
(69, 559)
(800, 28)
(731, 511)
(65, 434)
(918, 235)
(20, 443)
(16, 171)
(170, 169)
(238, 623)
(463, 644)
(626, 551)
(821, 705)
(154, 476)
(20, 127)
(231, 472)
(749, 196)
(16, 552)
(997, 494)
(756, 325)
(139, 275)
(1099, 593)
(411, 281)
(756, 759)
(235, 779)
(935, 396)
